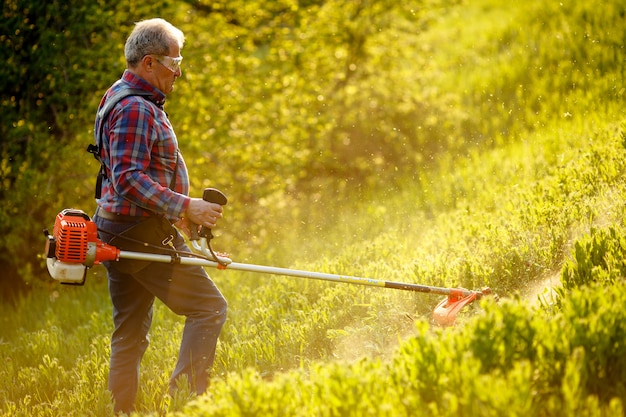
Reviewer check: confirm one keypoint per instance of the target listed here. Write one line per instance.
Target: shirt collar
(135, 81)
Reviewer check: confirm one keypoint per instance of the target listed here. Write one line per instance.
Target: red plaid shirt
(140, 153)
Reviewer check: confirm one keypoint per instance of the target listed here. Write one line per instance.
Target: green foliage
(598, 258)
(508, 362)
(540, 64)
(308, 110)
(60, 57)
(44, 339)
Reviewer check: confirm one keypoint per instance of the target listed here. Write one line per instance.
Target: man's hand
(203, 213)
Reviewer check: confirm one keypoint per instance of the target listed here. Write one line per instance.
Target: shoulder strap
(119, 95)
(102, 114)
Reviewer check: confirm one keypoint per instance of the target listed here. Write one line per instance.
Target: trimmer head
(446, 311)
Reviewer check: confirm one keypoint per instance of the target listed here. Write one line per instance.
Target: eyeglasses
(172, 64)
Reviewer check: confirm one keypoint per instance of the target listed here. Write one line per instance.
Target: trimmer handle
(212, 195)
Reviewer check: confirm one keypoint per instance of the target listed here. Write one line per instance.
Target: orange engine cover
(73, 231)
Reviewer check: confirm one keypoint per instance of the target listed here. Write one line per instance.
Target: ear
(147, 63)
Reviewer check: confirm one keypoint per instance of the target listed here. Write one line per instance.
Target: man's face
(166, 69)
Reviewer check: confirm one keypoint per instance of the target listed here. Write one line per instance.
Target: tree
(59, 58)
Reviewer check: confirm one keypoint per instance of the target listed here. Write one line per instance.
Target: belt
(122, 218)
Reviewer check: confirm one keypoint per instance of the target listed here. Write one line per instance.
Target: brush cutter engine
(74, 247)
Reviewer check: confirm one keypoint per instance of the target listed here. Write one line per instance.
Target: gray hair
(152, 36)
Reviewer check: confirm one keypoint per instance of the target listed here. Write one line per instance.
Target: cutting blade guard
(446, 311)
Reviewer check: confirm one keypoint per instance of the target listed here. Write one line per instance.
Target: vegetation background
(443, 142)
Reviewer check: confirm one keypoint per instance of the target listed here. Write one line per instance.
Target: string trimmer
(74, 247)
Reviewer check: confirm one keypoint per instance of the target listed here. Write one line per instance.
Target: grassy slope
(501, 216)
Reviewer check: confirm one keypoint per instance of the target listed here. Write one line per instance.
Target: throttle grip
(212, 195)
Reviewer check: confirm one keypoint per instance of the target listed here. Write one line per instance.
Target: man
(145, 175)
